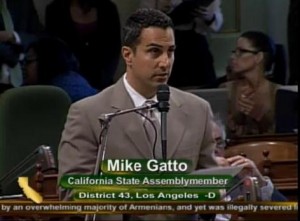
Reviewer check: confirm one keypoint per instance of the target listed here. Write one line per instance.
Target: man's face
(30, 66)
(217, 135)
(219, 151)
(150, 63)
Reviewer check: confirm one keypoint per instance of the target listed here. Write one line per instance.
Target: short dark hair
(262, 42)
(143, 18)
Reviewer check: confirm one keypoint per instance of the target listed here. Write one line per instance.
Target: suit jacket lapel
(176, 126)
(131, 124)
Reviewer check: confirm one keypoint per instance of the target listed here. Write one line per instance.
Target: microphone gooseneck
(163, 96)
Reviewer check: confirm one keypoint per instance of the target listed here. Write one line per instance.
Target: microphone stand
(105, 120)
(163, 107)
(100, 153)
(163, 96)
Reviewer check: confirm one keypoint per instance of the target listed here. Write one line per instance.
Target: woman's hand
(246, 101)
(252, 104)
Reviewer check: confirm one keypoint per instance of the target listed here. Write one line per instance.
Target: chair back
(217, 98)
(279, 73)
(30, 116)
(286, 110)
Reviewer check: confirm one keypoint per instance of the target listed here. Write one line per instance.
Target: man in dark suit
(148, 51)
(91, 28)
(19, 25)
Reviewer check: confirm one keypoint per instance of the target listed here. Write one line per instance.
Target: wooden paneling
(290, 138)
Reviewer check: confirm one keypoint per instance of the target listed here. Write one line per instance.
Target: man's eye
(172, 50)
(154, 50)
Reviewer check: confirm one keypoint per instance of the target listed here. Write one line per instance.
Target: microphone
(163, 96)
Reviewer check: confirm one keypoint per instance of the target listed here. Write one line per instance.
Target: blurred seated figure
(49, 61)
(91, 28)
(19, 25)
(193, 21)
(251, 95)
(277, 74)
(268, 192)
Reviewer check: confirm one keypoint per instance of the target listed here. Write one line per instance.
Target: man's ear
(127, 54)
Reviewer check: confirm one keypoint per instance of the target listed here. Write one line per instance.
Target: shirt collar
(136, 97)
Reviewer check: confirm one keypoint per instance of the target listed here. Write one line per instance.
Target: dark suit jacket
(26, 25)
(25, 19)
(189, 135)
(99, 55)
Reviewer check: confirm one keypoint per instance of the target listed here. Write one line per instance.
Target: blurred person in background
(19, 25)
(268, 192)
(193, 20)
(91, 28)
(49, 61)
(251, 95)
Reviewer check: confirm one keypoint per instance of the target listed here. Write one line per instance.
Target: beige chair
(217, 98)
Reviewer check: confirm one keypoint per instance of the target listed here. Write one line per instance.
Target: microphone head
(163, 93)
(163, 96)
(46, 158)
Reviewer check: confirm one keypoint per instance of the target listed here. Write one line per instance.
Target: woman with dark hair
(49, 61)
(91, 28)
(251, 95)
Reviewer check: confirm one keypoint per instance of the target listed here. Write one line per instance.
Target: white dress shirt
(137, 98)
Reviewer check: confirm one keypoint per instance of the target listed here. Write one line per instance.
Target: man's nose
(166, 60)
